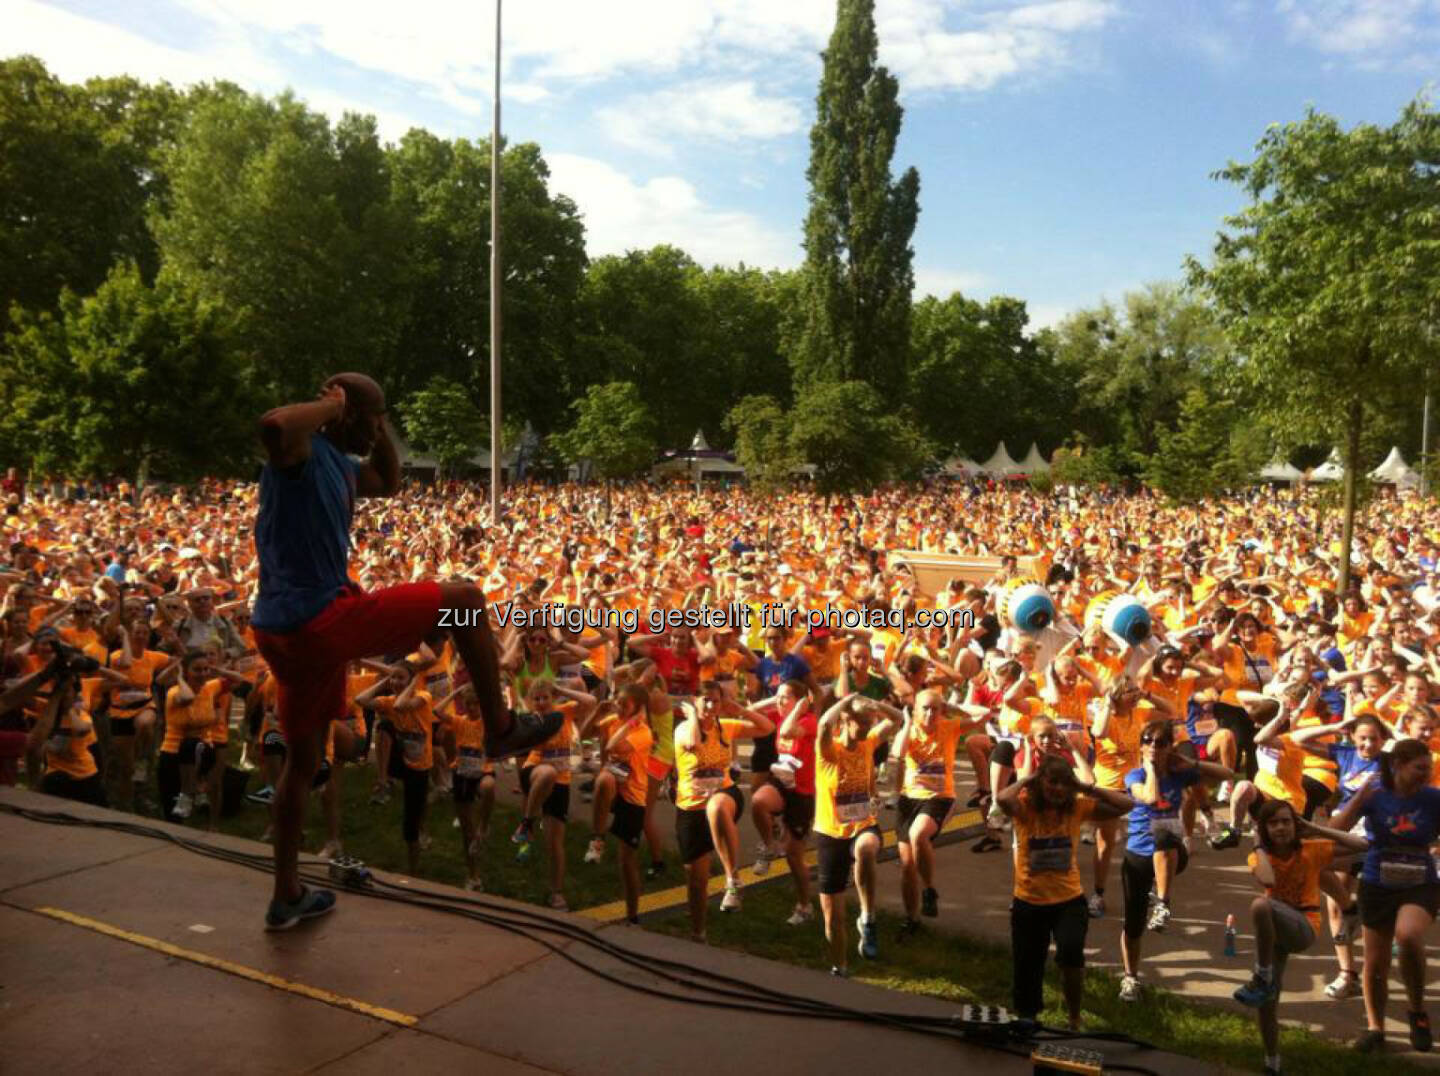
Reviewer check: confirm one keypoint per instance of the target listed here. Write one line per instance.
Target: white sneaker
(763, 858)
(802, 914)
(1129, 988)
(596, 852)
(474, 885)
(1223, 794)
(1345, 985)
(730, 902)
(1096, 906)
(184, 805)
(1087, 834)
(1159, 917)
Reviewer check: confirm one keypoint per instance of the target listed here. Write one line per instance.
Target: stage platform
(122, 952)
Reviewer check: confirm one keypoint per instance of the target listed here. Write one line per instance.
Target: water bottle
(1229, 935)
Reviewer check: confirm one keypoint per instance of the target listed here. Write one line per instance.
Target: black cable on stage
(729, 993)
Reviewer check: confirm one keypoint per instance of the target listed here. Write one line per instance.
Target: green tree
(1203, 456)
(854, 439)
(762, 440)
(1325, 282)
(613, 431)
(442, 419)
(858, 273)
(289, 224)
(130, 377)
(79, 170)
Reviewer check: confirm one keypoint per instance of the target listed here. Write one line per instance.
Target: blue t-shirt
(1328, 691)
(772, 673)
(1401, 832)
(302, 537)
(116, 571)
(1354, 770)
(1147, 819)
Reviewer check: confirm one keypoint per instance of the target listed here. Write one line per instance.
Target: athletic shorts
(799, 812)
(936, 807)
(1379, 906)
(557, 803)
(309, 664)
(627, 822)
(834, 858)
(1316, 795)
(200, 754)
(123, 724)
(764, 755)
(692, 827)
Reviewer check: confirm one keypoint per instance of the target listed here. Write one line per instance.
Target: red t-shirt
(803, 748)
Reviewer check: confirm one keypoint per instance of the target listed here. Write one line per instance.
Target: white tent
(1034, 463)
(1000, 463)
(960, 467)
(1396, 471)
(1332, 470)
(1280, 470)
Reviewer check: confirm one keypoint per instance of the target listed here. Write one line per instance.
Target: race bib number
(1050, 855)
(621, 770)
(559, 757)
(1399, 870)
(1258, 671)
(1206, 726)
(470, 763)
(931, 776)
(707, 781)
(414, 746)
(1268, 759)
(852, 808)
(131, 699)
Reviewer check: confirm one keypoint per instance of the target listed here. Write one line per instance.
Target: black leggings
(1137, 874)
(1031, 928)
(1242, 726)
(85, 790)
(416, 784)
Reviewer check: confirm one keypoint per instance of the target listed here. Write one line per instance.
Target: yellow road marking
(671, 898)
(314, 993)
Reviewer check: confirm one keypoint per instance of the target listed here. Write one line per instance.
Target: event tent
(1280, 470)
(696, 462)
(1332, 470)
(1034, 463)
(1396, 471)
(1000, 463)
(959, 467)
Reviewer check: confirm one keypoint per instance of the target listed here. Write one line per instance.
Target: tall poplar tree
(858, 274)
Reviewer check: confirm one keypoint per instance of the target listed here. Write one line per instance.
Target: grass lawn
(936, 963)
(957, 968)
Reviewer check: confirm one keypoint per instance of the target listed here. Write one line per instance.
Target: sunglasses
(1156, 740)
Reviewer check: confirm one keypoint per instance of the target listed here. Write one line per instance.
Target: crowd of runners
(1266, 710)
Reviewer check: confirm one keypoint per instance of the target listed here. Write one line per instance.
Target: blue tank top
(302, 537)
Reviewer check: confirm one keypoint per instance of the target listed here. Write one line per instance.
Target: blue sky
(1064, 146)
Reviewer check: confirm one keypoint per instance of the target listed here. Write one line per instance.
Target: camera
(71, 661)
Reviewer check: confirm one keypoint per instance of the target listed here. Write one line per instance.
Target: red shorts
(309, 663)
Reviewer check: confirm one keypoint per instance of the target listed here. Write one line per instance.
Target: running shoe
(526, 731)
(987, 843)
(908, 929)
(977, 798)
(839, 973)
(264, 796)
(184, 806)
(1159, 917)
(763, 858)
(930, 903)
(1096, 906)
(1087, 835)
(1344, 986)
(1371, 1042)
(379, 795)
(425, 842)
(1223, 795)
(596, 852)
(1229, 837)
(1349, 925)
(1420, 1032)
(474, 885)
(802, 914)
(1257, 992)
(558, 902)
(1129, 988)
(869, 945)
(655, 870)
(730, 902)
(524, 841)
(202, 800)
(141, 774)
(312, 904)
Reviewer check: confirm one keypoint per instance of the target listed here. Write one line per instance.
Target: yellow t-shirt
(703, 770)
(1297, 879)
(930, 758)
(1045, 868)
(844, 780)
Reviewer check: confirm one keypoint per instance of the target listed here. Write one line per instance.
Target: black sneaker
(1420, 1031)
(1229, 837)
(930, 903)
(656, 868)
(528, 731)
(1370, 1042)
(977, 797)
(908, 929)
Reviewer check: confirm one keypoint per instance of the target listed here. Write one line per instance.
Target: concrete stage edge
(123, 952)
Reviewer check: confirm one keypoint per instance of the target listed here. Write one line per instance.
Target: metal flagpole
(496, 464)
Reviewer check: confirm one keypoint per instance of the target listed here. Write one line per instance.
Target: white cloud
(704, 111)
(942, 283)
(1360, 27)
(622, 214)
